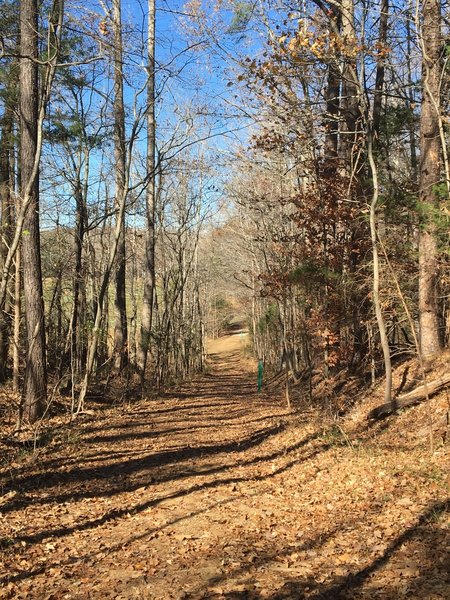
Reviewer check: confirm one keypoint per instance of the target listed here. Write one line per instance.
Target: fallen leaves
(187, 499)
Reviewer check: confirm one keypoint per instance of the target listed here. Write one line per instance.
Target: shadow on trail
(223, 387)
(339, 588)
(113, 437)
(338, 591)
(345, 587)
(111, 471)
(127, 471)
(147, 534)
(127, 510)
(55, 472)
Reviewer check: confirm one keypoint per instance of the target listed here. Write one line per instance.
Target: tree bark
(120, 328)
(7, 211)
(376, 273)
(35, 381)
(379, 78)
(74, 338)
(371, 145)
(17, 318)
(332, 96)
(350, 89)
(430, 177)
(99, 308)
(149, 264)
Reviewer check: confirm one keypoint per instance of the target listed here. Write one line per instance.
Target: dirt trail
(216, 492)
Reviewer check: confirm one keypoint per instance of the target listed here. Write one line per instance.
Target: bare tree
(149, 259)
(7, 220)
(120, 328)
(430, 176)
(35, 383)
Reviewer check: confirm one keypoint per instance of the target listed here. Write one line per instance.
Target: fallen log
(414, 396)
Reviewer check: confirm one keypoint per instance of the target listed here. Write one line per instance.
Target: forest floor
(217, 492)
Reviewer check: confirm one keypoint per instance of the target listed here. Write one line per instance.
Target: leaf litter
(219, 492)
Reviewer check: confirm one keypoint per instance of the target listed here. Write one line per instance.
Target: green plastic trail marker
(260, 374)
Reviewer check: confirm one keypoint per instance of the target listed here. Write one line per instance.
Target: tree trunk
(149, 264)
(332, 95)
(99, 307)
(371, 145)
(35, 382)
(418, 394)
(430, 176)
(350, 90)
(376, 274)
(17, 318)
(74, 338)
(379, 78)
(7, 211)
(120, 328)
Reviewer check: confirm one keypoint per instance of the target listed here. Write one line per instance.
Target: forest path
(212, 492)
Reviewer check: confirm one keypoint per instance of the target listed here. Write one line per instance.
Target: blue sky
(197, 108)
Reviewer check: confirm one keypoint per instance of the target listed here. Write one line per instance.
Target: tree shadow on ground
(354, 581)
(160, 458)
(118, 513)
(136, 420)
(55, 472)
(334, 588)
(265, 557)
(27, 574)
(434, 584)
(150, 433)
(210, 385)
